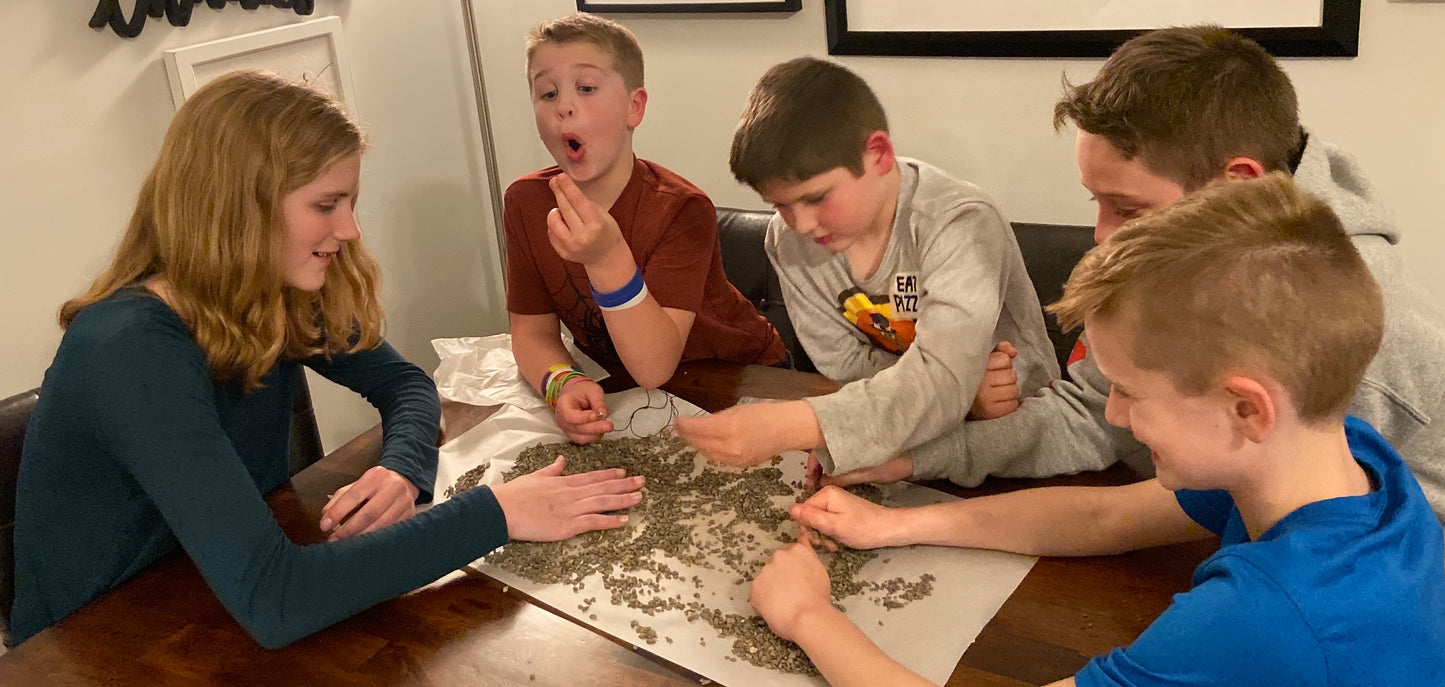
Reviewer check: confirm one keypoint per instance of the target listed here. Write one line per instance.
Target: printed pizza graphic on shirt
(877, 318)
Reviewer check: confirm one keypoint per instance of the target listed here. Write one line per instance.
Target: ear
(1252, 408)
(878, 153)
(1242, 168)
(636, 107)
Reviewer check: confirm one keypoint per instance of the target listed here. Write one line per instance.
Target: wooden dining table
(165, 627)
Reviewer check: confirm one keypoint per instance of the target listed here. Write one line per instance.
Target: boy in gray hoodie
(1170, 112)
(899, 279)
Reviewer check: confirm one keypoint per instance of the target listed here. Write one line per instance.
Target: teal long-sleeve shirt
(133, 448)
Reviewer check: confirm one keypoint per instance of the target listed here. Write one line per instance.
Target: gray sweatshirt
(1062, 430)
(951, 275)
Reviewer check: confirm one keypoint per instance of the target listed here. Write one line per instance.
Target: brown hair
(804, 117)
(209, 222)
(1241, 276)
(612, 38)
(1186, 100)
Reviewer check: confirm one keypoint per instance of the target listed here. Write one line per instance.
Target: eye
(815, 199)
(325, 208)
(549, 95)
(1127, 213)
(586, 89)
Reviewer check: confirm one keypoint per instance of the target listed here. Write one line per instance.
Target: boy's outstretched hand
(853, 521)
(579, 230)
(746, 435)
(998, 390)
(582, 411)
(792, 586)
(548, 506)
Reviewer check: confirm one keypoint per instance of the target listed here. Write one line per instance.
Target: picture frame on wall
(616, 6)
(312, 52)
(1047, 28)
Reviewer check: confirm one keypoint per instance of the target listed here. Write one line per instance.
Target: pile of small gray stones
(701, 518)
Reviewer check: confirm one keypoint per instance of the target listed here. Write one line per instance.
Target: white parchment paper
(927, 636)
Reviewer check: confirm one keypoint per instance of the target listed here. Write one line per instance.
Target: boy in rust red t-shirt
(641, 283)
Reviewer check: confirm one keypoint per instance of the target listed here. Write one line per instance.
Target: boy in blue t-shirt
(1201, 316)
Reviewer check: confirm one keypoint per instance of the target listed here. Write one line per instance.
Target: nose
(1104, 225)
(564, 105)
(1116, 411)
(803, 220)
(346, 229)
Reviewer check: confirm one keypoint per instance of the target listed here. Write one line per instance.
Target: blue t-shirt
(1345, 591)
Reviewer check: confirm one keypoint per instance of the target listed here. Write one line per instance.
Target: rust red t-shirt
(671, 227)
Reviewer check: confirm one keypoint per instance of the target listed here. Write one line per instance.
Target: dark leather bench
(1050, 252)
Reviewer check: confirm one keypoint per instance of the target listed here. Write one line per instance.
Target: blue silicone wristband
(621, 296)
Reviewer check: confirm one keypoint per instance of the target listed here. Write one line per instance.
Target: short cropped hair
(804, 117)
(1240, 276)
(613, 39)
(1186, 100)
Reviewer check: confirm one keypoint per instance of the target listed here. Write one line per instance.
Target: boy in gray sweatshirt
(1170, 112)
(899, 280)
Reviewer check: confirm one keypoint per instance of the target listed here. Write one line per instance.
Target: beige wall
(83, 116)
(988, 120)
(84, 113)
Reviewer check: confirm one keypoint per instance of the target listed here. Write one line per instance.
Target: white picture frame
(312, 52)
(1048, 28)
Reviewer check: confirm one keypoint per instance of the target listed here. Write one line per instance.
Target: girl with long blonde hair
(166, 414)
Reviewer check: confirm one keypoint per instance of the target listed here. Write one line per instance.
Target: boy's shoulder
(935, 191)
(532, 184)
(664, 181)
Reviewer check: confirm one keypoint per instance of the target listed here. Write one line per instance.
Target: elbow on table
(652, 377)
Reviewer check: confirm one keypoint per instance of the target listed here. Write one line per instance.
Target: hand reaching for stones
(548, 506)
(851, 520)
(790, 588)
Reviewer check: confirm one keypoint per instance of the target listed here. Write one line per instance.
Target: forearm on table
(845, 656)
(649, 338)
(1055, 521)
(537, 346)
(1058, 430)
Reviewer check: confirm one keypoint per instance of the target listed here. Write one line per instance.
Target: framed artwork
(613, 6)
(1084, 28)
(311, 52)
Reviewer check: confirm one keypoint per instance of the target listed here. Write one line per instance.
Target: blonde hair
(613, 39)
(1186, 100)
(804, 117)
(1239, 276)
(209, 222)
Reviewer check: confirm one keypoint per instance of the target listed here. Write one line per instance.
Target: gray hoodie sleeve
(931, 386)
(1059, 430)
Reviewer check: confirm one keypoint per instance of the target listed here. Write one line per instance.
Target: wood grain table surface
(165, 627)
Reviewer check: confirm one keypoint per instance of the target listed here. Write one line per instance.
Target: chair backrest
(305, 437)
(14, 418)
(741, 233)
(1050, 252)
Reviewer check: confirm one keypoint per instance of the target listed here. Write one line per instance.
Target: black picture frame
(689, 6)
(1338, 35)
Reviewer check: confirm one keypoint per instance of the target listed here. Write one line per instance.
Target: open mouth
(574, 147)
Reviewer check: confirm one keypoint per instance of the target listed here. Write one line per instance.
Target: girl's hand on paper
(548, 506)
